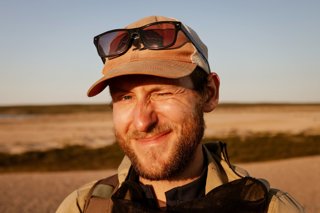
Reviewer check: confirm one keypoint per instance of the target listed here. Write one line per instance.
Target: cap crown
(176, 61)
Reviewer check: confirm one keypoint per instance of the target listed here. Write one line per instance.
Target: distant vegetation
(54, 109)
(76, 108)
(67, 158)
(257, 147)
(250, 149)
(265, 147)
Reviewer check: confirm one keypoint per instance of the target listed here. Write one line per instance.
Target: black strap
(216, 148)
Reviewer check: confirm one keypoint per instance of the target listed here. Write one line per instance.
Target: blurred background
(264, 51)
(53, 138)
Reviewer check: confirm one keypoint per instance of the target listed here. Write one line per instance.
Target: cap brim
(160, 68)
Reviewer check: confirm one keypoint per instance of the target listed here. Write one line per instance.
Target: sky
(263, 51)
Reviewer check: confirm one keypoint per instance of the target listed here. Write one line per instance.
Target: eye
(120, 97)
(126, 97)
(161, 95)
(164, 93)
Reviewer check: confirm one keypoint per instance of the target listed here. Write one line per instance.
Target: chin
(160, 169)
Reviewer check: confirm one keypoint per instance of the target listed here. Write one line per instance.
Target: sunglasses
(153, 36)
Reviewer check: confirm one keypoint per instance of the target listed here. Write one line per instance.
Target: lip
(155, 138)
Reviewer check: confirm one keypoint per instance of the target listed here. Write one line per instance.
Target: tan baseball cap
(175, 62)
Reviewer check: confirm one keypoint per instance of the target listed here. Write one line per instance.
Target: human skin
(158, 122)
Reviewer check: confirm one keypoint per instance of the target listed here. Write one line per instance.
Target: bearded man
(161, 84)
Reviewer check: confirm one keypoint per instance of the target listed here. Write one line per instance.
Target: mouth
(154, 139)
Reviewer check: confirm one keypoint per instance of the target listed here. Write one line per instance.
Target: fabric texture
(175, 62)
(218, 175)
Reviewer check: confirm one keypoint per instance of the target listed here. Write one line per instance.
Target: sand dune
(42, 192)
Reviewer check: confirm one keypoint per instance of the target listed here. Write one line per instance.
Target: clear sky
(264, 51)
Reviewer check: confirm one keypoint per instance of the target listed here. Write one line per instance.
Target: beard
(189, 134)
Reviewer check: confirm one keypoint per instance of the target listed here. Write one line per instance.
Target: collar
(175, 196)
(191, 191)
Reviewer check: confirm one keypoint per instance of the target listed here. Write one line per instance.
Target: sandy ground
(23, 133)
(42, 192)
(299, 177)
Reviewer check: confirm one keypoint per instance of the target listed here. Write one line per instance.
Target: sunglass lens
(158, 36)
(113, 43)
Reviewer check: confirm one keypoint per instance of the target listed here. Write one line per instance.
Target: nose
(145, 117)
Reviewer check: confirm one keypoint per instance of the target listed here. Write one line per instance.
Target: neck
(189, 174)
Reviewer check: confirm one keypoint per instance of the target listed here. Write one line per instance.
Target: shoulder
(280, 201)
(78, 199)
(75, 201)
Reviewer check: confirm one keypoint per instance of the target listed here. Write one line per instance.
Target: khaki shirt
(280, 201)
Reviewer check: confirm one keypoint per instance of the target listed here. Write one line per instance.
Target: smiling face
(158, 123)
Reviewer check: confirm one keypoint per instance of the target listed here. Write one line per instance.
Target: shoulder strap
(98, 198)
(219, 148)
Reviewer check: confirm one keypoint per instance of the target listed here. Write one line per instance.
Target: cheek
(177, 111)
(121, 119)
(171, 112)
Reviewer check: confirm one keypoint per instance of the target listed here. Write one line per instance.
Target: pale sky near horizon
(263, 51)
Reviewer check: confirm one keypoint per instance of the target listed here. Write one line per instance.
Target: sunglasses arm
(189, 36)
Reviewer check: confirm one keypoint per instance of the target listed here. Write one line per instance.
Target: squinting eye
(164, 93)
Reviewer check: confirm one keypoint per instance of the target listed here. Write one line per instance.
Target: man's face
(158, 123)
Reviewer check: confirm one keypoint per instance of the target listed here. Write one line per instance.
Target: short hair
(199, 79)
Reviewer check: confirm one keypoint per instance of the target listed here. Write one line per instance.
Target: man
(161, 84)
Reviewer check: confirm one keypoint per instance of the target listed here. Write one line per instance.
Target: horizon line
(109, 103)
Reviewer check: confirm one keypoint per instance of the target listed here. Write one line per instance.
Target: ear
(212, 93)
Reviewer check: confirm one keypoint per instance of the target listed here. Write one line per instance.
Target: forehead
(129, 82)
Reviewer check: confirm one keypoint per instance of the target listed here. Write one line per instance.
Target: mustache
(135, 134)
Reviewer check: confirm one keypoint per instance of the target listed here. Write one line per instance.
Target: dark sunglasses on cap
(154, 36)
